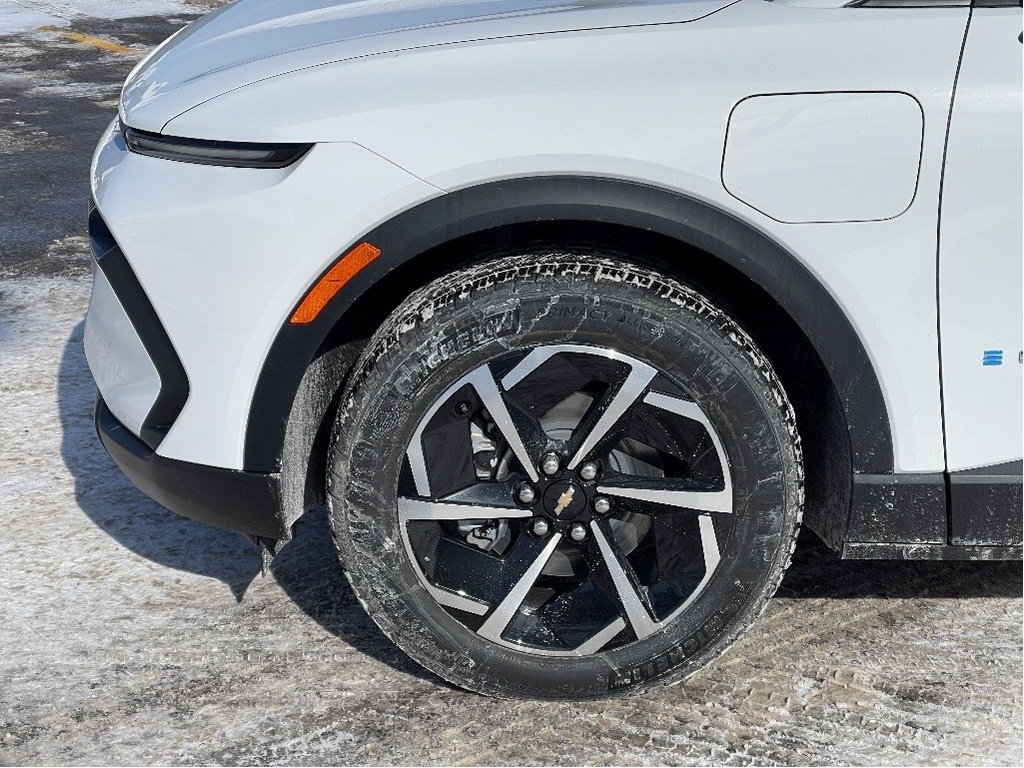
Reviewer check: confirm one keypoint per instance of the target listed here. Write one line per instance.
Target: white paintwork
(249, 41)
(825, 157)
(224, 255)
(648, 102)
(656, 110)
(980, 259)
(119, 362)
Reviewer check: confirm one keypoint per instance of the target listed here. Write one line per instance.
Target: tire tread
(429, 302)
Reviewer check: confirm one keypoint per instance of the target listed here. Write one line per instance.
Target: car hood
(250, 40)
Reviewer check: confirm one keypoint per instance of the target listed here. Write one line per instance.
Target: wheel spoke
(613, 408)
(502, 614)
(455, 600)
(423, 509)
(540, 355)
(677, 494)
(487, 388)
(482, 381)
(692, 411)
(626, 587)
(712, 556)
(608, 412)
(596, 642)
(667, 493)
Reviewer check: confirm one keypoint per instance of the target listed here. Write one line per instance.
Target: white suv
(571, 311)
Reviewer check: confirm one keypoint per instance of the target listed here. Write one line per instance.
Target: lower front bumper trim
(248, 502)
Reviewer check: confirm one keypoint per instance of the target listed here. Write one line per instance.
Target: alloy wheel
(564, 500)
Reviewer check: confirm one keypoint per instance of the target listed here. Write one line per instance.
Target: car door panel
(980, 248)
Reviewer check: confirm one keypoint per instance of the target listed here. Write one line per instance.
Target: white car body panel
(412, 104)
(123, 369)
(825, 158)
(224, 254)
(637, 116)
(248, 42)
(980, 273)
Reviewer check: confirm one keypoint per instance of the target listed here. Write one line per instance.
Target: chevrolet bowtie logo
(565, 500)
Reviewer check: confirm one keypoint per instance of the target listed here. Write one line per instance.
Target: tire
(449, 405)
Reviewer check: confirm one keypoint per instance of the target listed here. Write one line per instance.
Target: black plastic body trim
(970, 515)
(986, 505)
(174, 386)
(241, 501)
(908, 4)
(609, 201)
(887, 551)
(898, 509)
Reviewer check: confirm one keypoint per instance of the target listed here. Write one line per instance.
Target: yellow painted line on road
(95, 42)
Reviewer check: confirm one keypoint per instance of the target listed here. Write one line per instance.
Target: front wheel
(557, 476)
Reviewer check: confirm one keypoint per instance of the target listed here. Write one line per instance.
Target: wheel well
(820, 418)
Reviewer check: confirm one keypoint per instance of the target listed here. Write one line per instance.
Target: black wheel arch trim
(601, 200)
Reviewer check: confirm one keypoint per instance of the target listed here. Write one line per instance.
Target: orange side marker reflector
(351, 264)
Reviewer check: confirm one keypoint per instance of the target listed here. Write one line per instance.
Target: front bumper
(223, 256)
(249, 502)
(134, 363)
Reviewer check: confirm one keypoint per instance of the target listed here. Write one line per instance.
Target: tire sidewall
(451, 329)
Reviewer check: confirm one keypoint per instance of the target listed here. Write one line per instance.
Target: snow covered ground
(129, 635)
(22, 15)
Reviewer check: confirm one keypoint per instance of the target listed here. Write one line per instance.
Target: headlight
(231, 154)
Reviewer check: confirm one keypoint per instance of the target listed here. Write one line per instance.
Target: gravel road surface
(129, 635)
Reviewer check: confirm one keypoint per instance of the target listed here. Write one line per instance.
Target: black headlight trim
(229, 154)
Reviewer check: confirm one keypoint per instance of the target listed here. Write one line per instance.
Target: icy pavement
(129, 635)
(22, 15)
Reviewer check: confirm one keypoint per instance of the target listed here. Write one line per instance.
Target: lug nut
(540, 527)
(602, 505)
(527, 494)
(589, 470)
(578, 532)
(550, 463)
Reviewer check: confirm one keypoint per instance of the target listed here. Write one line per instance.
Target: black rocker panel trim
(887, 551)
(985, 505)
(970, 515)
(241, 501)
(609, 201)
(174, 386)
(898, 509)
